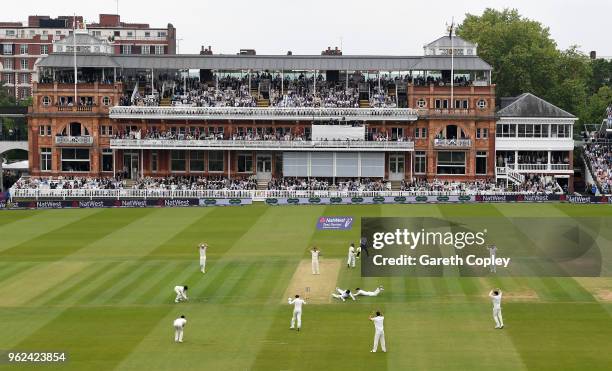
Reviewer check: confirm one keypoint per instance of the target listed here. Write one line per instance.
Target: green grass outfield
(97, 284)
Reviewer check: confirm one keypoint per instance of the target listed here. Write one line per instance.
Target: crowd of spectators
(599, 156)
(539, 184)
(69, 183)
(196, 183)
(437, 185)
(298, 91)
(163, 183)
(533, 184)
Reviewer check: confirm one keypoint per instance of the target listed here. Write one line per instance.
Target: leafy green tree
(6, 99)
(525, 58)
(602, 74)
(595, 107)
(521, 51)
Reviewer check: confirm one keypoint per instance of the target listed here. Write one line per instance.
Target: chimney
(110, 20)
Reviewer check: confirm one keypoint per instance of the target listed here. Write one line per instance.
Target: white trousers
(351, 260)
(203, 264)
(180, 296)
(297, 315)
(379, 336)
(178, 333)
(371, 293)
(315, 266)
(497, 316)
(493, 267)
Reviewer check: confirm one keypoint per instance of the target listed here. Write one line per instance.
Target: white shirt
(351, 251)
(315, 254)
(493, 250)
(297, 304)
(180, 322)
(180, 289)
(496, 299)
(378, 323)
(202, 252)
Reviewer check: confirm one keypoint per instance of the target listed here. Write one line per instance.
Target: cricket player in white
(181, 293)
(315, 253)
(179, 325)
(297, 311)
(343, 294)
(203, 248)
(496, 296)
(379, 332)
(492, 252)
(361, 292)
(350, 263)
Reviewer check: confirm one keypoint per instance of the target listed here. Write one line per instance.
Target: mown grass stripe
(231, 279)
(89, 286)
(9, 270)
(129, 289)
(70, 238)
(155, 286)
(79, 280)
(184, 277)
(39, 224)
(104, 296)
(12, 217)
(243, 283)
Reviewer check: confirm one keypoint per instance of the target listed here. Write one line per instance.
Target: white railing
(254, 194)
(82, 140)
(509, 173)
(452, 143)
(559, 166)
(539, 167)
(262, 113)
(261, 144)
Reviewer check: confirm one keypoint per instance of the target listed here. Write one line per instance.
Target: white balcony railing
(539, 167)
(452, 143)
(84, 140)
(262, 113)
(272, 145)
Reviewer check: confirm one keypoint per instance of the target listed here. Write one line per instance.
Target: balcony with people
(452, 137)
(535, 161)
(74, 134)
(339, 138)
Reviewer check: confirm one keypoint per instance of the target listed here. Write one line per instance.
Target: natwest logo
(335, 223)
(131, 203)
(90, 204)
(48, 205)
(176, 203)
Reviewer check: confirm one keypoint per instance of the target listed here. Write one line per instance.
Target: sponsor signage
(338, 223)
(161, 202)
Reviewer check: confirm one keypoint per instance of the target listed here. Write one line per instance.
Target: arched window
(75, 129)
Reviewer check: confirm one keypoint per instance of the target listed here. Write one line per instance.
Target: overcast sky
(398, 27)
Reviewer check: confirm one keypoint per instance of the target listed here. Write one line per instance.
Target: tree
(602, 74)
(6, 99)
(595, 107)
(525, 58)
(520, 50)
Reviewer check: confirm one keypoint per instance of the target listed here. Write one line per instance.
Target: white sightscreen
(338, 132)
(334, 164)
(295, 164)
(347, 164)
(373, 164)
(322, 164)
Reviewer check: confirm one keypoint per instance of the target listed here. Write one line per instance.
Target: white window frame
(46, 159)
